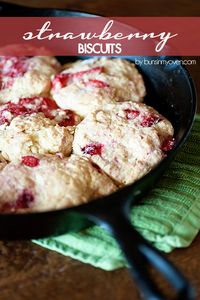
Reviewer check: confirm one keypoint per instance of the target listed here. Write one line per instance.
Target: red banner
(93, 36)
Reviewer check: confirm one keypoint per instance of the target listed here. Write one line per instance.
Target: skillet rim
(22, 6)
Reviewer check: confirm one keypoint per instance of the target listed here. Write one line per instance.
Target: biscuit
(34, 134)
(40, 183)
(35, 125)
(125, 140)
(26, 77)
(87, 85)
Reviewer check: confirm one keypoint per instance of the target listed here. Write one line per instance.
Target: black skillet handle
(140, 255)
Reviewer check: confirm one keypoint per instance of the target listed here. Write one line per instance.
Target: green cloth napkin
(169, 216)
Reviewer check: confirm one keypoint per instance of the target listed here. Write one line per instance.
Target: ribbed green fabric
(169, 216)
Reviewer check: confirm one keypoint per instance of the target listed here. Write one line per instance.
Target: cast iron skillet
(171, 91)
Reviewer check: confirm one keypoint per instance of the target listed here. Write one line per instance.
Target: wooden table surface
(29, 272)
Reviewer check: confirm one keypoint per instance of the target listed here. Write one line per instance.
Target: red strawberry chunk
(28, 106)
(131, 114)
(69, 119)
(61, 80)
(168, 144)
(17, 69)
(34, 105)
(3, 119)
(38, 103)
(13, 109)
(93, 149)
(13, 66)
(24, 200)
(95, 83)
(6, 207)
(30, 161)
(150, 120)
(49, 103)
(47, 107)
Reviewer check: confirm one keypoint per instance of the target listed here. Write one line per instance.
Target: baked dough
(119, 140)
(53, 183)
(26, 77)
(34, 134)
(35, 125)
(125, 140)
(87, 85)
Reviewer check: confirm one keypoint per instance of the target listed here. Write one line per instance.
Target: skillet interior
(169, 90)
